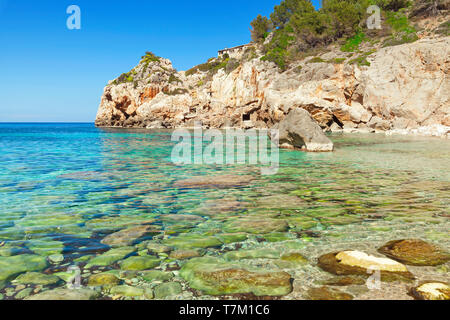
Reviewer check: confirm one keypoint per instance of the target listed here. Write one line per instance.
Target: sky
(52, 74)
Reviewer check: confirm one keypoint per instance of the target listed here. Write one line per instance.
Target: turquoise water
(65, 187)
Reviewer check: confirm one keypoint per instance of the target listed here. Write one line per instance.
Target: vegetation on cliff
(295, 27)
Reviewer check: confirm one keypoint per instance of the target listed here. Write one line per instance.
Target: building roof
(237, 47)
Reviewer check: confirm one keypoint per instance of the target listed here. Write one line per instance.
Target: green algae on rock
(129, 236)
(359, 263)
(215, 182)
(325, 293)
(192, 241)
(167, 289)
(110, 257)
(139, 263)
(127, 291)
(15, 265)
(291, 260)
(46, 246)
(228, 238)
(251, 254)
(431, 291)
(344, 281)
(156, 275)
(415, 252)
(66, 294)
(255, 225)
(101, 279)
(218, 277)
(185, 254)
(22, 294)
(158, 248)
(37, 278)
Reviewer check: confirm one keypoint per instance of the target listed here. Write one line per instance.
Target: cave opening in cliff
(246, 117)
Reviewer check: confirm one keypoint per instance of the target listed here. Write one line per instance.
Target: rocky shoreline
(398, 90)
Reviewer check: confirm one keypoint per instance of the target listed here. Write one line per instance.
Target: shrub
(232, 65)
(278, 56)
(150, 57)
(173, 78)
(316, 60)
(191, 71)
(362, 59)
(337, 60)
(124, 78)
(403, 31)
(354, 42)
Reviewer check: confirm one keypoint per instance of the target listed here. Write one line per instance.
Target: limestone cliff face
(405, 89)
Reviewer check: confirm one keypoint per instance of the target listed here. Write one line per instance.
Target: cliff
(403, 88)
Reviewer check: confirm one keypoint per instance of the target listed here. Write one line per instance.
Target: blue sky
(52, 74)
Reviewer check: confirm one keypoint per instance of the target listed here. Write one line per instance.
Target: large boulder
(218, 277)
(415, 252)
(300, 131)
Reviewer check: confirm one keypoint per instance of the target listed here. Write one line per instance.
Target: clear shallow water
(65, 187)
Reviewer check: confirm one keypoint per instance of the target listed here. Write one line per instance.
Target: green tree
(392, 5)
(345, 15)
(260, 27)
(284, 11)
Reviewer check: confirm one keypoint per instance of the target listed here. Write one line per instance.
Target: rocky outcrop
(300, 131)
(400, 89)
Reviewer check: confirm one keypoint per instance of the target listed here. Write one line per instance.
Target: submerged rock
(217, 277)
(325, 293)
(294, 257)
(158, 248)
(37, 278)
(102, 279)
(256, 225)
(300, 131)
(415, 252)
(110, 257)
(127, 291)
(167, 289)
(46, 246)
(184, 254)
(192, 241)
(22, 294)
(66, 294)
(181, 218)
(15, 265)
(291, 260)
(156, 275)
(251, 254)
(344, 281)
(214, 182)
(231, 237)
(213, 207)
(360, 263)
(431, 291)
(139, 263)
(129, 236)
